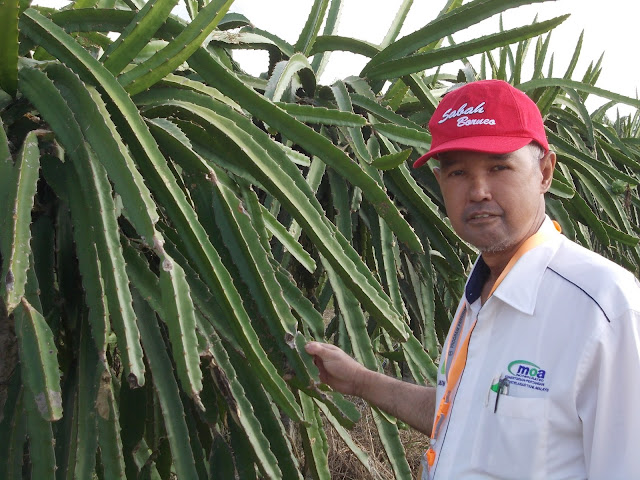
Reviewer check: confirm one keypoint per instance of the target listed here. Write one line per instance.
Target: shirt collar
(520, 287)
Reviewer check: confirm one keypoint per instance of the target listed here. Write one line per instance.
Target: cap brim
(484, 144)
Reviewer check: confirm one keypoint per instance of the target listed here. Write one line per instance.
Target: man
(540, 374)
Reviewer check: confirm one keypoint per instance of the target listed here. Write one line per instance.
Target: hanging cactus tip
(242, 209)
(133, 381)
(198, 401)
(212, 177)
(290, 340)
(167, 266)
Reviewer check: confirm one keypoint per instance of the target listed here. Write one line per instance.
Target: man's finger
(320, 349)
(312, 348)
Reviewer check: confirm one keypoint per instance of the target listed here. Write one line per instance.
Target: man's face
(494, 201)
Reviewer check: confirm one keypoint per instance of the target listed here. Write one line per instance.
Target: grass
(343, 463)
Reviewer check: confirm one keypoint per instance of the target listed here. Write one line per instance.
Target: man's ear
(436, 172)
(547, 166)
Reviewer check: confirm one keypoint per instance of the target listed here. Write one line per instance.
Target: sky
(610, 27)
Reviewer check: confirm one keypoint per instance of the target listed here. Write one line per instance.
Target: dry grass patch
(343, 463)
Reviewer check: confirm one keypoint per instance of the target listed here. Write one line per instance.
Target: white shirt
(564, 328)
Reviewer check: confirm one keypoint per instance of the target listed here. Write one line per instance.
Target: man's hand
(337, 369)
(413, 404)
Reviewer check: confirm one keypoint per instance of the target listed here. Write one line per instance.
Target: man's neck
(497, 261)
(494, 273)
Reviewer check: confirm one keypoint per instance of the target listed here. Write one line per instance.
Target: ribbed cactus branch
(320, 61)
(305, 137)
(291, 188)
(221, 460)
(312, 26)
(315, 439)
(297, 68)
(321, 115)
(171, 237)
(15, 232)
(90, 109)
(242, 410)
(232, 214)
(41, 440)
(167, 390)
(103, 222)
(38, 354)
(278, 230)
(246, 336)
(9, 10)
(169, 58)
(109, 429)
(6, 164)
(98, 192)
(422, 61)
(137, 34)
(179, 315)
(271, 422)
(89, 372)
(438, 29)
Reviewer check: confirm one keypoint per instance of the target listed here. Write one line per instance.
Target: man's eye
(456, 173)
(497, 168)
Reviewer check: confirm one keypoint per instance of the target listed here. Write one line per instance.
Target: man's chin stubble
(495, 248)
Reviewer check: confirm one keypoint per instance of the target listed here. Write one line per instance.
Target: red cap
(487, 116)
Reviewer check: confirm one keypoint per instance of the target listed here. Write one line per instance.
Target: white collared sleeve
(608, 399)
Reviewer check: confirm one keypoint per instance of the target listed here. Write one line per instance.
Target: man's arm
(410, 403)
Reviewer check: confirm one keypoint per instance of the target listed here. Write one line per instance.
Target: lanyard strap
(457, 358)
(454, 341)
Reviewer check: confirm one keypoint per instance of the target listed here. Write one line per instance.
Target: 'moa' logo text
(522, 368)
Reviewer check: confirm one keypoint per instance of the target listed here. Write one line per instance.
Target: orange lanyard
(459, 357)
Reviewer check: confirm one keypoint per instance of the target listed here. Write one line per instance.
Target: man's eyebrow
(446, 162)
(501, 156)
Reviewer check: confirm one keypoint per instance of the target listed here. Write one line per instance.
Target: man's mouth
(476, 217)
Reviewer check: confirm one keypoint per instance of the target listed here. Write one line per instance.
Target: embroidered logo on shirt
(527, 374)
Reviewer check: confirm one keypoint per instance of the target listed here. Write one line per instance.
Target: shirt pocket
(513, 439)
(520, 407)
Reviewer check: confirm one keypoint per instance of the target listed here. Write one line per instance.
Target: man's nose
(479, 189)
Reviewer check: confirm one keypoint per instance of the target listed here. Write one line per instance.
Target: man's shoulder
(608, 284)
